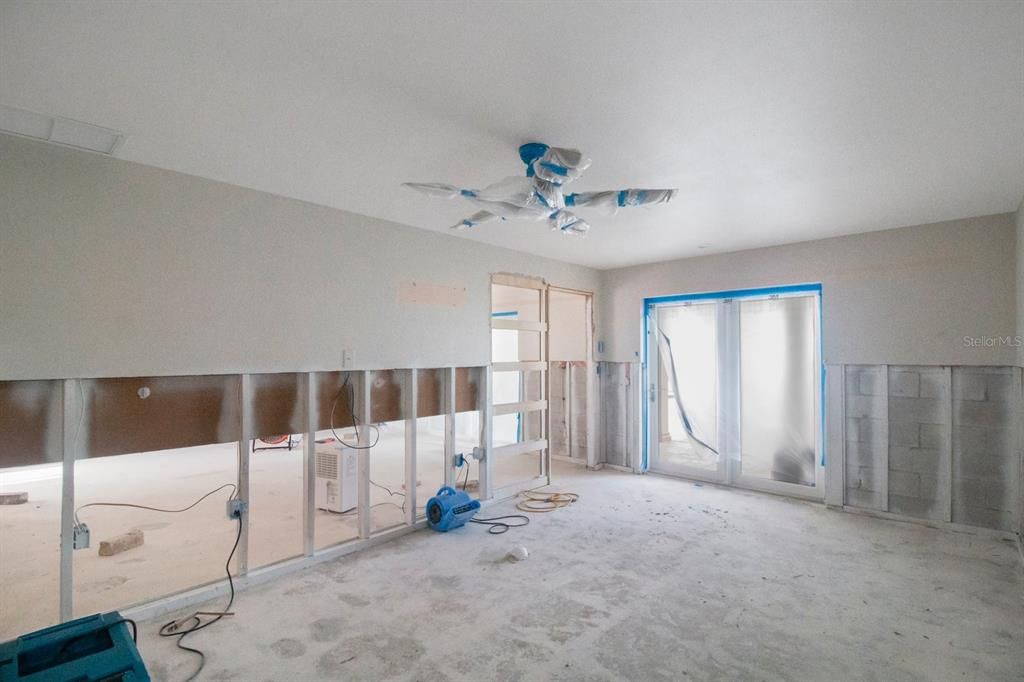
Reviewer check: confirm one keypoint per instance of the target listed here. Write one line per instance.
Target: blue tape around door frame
(813, 287)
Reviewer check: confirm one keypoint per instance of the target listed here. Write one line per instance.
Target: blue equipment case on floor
(450, 509)
(89, 649)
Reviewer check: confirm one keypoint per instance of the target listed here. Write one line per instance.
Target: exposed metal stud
(410, 395)
(71, 421)
(363, 455)
(449, 426)
(244, 448)
(486, 465)
(309, 412)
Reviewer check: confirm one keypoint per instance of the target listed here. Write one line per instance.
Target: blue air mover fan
(450, 509)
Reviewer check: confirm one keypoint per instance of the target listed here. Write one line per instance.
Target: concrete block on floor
(122, 543)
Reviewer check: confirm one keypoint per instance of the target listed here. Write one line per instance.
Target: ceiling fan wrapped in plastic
(539, 195)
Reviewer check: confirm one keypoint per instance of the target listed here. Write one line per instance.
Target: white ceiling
(778, 122)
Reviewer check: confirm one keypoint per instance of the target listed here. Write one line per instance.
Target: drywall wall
(905, 296)
(109, 268)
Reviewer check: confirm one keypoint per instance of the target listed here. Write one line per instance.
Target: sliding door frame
(729, 471)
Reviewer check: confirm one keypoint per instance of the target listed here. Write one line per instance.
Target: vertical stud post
(449, 427)
(590, 389)
(363, 455)
(835, 465)
(884, 438)
(310, 410)
(70, 421)
(410, 400)
(244, 448)
(947, 444)
(486, 407)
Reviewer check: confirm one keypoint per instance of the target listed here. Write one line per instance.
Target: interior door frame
(729, 471)
(591, 381)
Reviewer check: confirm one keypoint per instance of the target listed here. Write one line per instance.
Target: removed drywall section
(919, 448)
(866, 437)
(986, 465)
(908, 296)
(110, 268)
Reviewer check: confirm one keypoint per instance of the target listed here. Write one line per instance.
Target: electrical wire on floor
(195, 622)
(501, 524)
(540, 502)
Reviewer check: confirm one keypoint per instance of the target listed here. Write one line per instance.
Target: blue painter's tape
(467, 192)
(555, 168)
(738, 293)
(542, 199)
(570, 199)
(621, 201)
(506, 313)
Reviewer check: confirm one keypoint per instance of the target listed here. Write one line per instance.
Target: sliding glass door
(735, 386)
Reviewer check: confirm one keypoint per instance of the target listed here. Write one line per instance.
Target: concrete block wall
(578, 409)
(918, 441)
(986, 461)
(866, 436)
(613, 424)
(557, 403)
(934, 442)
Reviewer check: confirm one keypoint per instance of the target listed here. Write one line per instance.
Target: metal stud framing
(244, 448)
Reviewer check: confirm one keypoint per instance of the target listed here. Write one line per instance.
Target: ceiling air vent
(62, 131)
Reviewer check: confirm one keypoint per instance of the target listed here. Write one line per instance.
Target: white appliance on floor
(336, 477)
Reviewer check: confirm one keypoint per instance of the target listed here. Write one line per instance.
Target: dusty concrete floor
(646, 578)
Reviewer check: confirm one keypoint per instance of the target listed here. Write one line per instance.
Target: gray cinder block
(904, 383)
(933, 436)
(121, 543)
(904, 433)
(921, 410)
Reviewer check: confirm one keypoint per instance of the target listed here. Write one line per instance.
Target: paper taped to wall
(427, 293)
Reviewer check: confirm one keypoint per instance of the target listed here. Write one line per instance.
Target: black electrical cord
(352, 412)
(157, 509)
(465, 481)
(500, 524)
(195, 622)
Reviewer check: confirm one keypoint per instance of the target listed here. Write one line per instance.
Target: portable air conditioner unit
(336, 477)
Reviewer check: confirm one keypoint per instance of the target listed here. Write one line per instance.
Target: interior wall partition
(322, 462)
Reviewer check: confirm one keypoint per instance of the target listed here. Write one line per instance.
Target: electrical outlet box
(80, 536)
(458, 461)
(236, 508)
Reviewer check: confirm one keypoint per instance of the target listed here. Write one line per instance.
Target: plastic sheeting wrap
(539, 195)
